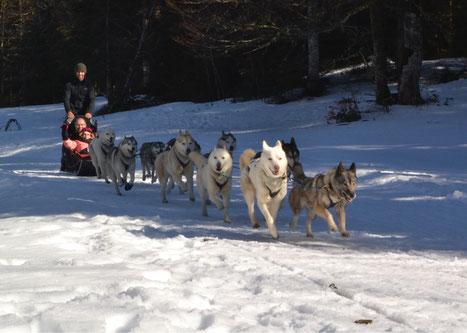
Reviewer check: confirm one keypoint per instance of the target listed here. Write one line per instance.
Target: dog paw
(255, 225)
(309, 235)
(192, 199)
(275, 237)
(128, 186)
(345, 234)
(333, 229)
(107, 181)
(227, 220)
(165, 201)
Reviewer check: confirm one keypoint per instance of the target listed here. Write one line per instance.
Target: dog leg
(269, 219)
(309, 219)
(114, 178)
(132, 170)
(105, 173)
(274, 207)
(293, 224)
(143, 166)
(203, 193)
(226, 199)
(327, 216)
(170, 185)
(214, 198)
(163, 183)
(189, 182)
(249, 196)
(153, 172)
(341, 218)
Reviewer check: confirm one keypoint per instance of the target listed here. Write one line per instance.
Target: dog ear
(223, 133)
(292, 141)
(278, 143)
(340, 169)
(353, 168)
(265, 145)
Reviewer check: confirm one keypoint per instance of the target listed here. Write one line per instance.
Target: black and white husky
(122, 162)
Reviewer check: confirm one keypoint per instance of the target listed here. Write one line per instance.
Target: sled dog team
(263, 176)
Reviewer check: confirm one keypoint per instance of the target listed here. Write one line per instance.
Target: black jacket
(79, 97)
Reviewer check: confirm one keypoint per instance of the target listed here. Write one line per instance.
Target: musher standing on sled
(79, 96)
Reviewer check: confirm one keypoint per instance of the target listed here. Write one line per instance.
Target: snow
(75, 257)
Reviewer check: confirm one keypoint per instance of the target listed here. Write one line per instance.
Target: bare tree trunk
(108, 80)
(2, 46)
(377, 19)
(119, 100)
(314, 85)
(409, 83)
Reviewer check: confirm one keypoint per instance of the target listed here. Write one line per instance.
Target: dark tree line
(210, 49)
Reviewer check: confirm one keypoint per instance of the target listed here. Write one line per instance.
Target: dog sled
(79, 164)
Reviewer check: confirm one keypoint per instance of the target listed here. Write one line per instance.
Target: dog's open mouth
(275, 172)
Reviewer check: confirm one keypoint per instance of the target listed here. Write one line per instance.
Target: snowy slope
(75, 257)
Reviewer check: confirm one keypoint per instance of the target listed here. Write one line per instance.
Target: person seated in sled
(77, 136)
(79, 97)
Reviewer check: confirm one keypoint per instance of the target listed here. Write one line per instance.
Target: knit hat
(80, 67)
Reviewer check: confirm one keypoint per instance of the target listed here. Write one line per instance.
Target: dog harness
(221, 185)
(329, 189)
(184, 165)
(271, 193)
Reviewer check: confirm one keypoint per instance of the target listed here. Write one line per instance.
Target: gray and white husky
(336, 188)
(99, 149)
(214, 179)
(148, 153)
(175, 163)
(122, 163)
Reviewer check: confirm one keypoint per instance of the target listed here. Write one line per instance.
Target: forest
(147, 52)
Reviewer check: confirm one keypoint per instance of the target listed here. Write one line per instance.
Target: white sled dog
(100, 149)
(175, 163)
(214, 179)
(122, 163)
(264, 179)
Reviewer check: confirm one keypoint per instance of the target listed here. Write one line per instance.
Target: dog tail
(246, 157)
(198, 159)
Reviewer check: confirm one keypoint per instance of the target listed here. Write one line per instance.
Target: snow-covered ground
(75, 257)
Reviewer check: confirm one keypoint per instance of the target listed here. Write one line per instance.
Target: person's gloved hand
(88, 115)
(69, 117)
